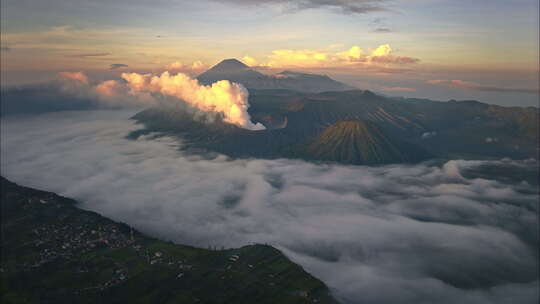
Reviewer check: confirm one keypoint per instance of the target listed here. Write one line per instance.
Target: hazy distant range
(316, 118)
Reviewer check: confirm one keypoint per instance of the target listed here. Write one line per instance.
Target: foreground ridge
(54, 252)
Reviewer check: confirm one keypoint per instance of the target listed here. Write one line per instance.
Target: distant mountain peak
(236, 71)
(229, 69)
(230, 64)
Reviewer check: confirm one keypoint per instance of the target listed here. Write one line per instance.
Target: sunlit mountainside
(336, 125)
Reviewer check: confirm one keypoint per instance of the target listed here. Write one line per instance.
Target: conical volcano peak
(230, 64)
(236, 71)
(230, 69)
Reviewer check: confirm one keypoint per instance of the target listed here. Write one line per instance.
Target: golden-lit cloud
(109, 88)
(74, 77)
(355, 55)
(177, 65)
(352, 54)
(303, 58)
(193, 68)
(383, 50)
(198, 65)
(250, 61)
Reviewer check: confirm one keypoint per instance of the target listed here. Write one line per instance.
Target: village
(47, 238)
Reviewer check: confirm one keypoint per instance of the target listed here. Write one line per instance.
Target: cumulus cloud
(250, 61)
(198, 65)
(479, 87)
(450, 232)
(341, 6)
(110, 93)
(353, 57)
(353, 54)
(191, 69)
(223, 97)
(116, 66)
(382, 50)
(305, 58)
(76, 77)
(382, 54)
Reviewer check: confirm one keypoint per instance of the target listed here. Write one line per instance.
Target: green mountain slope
(53, 252)
(294, 120)
(352, 142)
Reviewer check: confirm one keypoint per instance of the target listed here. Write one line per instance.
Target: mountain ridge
(236, 71)
(296, 124)
(54, 252)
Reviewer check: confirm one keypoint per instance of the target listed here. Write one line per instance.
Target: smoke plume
(224, 97)
(75, 90)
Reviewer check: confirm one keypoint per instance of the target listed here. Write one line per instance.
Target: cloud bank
(429, 233)
(341, 6)
(479, 87)
(195, 67)
(353, 57)
(223, 99)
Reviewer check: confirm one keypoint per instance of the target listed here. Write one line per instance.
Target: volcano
(358, 127)
(236, 71)
(232, 70)
(359, 142)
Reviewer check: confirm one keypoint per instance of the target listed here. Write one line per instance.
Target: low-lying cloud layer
(427, 233)
(479, 87)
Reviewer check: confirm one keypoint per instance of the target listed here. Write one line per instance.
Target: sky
(438, 49)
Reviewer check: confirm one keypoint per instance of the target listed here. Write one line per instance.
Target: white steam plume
(227, 98)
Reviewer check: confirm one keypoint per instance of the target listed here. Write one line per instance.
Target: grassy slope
(354, 142)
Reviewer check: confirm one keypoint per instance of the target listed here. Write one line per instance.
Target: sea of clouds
(436, 232)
